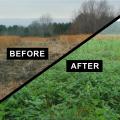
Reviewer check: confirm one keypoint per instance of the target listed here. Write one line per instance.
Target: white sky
(36, 8)
(23, 12)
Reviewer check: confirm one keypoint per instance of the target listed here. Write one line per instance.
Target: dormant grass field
(60, 43)
(58, 95)
(15, 73)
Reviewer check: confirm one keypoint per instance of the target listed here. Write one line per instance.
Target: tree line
(35, 29)
(91, 17)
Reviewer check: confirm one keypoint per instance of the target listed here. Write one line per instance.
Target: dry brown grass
(9, 41)
(5, 89)
(58, 46)
(107, 37)
(6, 41)
(55, 44)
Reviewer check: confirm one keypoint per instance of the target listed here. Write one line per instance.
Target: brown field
(58, 43)
(14, 73)
(107, 37)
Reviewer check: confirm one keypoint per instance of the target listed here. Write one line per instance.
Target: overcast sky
(35, 8)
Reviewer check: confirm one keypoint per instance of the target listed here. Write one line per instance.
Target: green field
(58, 95)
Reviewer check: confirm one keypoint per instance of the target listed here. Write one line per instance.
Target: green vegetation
(58, 95)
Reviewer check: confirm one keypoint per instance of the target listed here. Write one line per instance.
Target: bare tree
(42, 27)
(92, 16)
(45, 20)
(34, 28)
(46, 25)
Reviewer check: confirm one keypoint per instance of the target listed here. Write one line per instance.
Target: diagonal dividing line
(59, 59)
